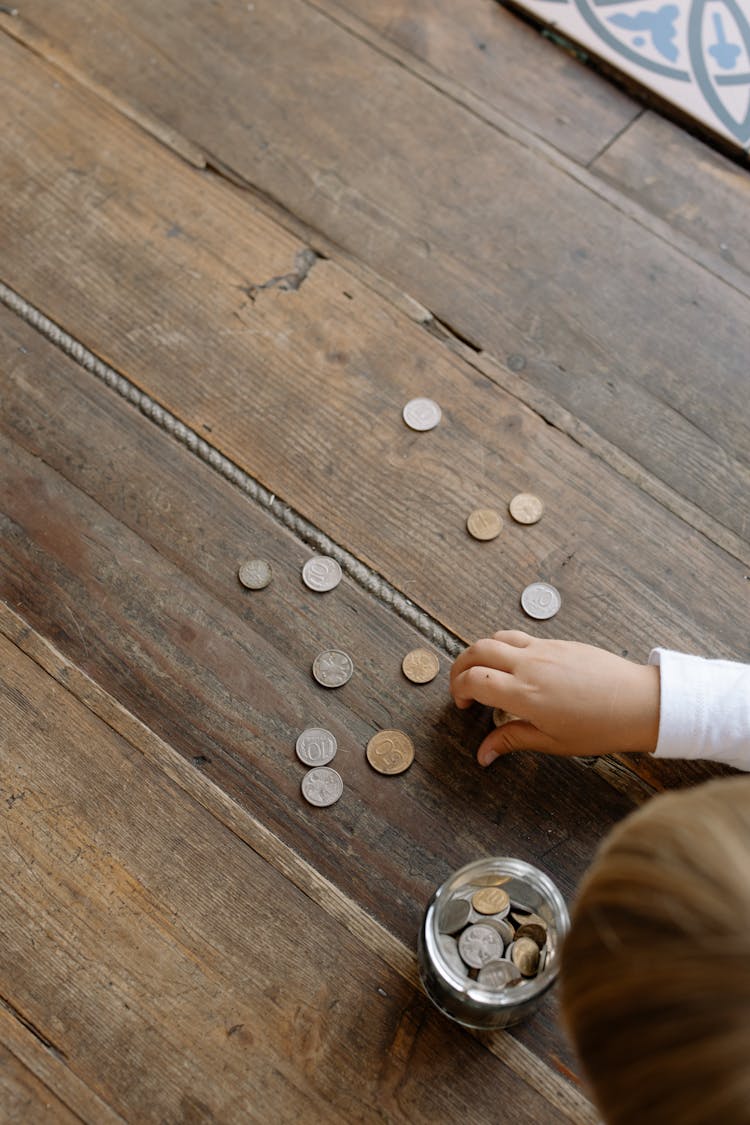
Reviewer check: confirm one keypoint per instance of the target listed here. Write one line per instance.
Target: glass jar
(450, 983)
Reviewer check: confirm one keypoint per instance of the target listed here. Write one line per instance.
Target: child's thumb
(511, 736)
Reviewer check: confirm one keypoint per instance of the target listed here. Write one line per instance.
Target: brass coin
(490, 900)
(533, 930)
(491, 880)
(484, 524)
(420, 666)
(500, 717)
(390, 751)
(525, 956)
(526, 508)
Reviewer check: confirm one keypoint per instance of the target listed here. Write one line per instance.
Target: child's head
(655, 972)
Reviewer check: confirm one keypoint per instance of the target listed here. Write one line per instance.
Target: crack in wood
(30, 1026)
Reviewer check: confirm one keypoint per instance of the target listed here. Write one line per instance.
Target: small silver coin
(498, 973)
(455, 916)
(480, 944)
(322, 786)
(321, 573)
(332, 668)
(541, 601)
(255, 574)
(448, 946)
(503, 928)
(422, 414)
(316, 747)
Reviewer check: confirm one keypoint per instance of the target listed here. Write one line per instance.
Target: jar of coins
(489, 946)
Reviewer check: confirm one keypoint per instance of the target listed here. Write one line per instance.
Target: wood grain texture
(146, 600)
(24, 1098)
(698, 191)
(184, 992)
(557, 1091)
(492, 52)
(647, 346)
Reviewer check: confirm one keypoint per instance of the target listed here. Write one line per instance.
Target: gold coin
(390, 751)
(526, 508)
(420, 666)
(500, 717)
(490, 900)
(491, 880)
(484, 523)
(525, 956)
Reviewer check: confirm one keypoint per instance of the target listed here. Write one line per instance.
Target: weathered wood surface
(182, 978)
(643, 343)
(122, 548)
(24, 1098)
(681, 179)
(491, 51)
(304, 389)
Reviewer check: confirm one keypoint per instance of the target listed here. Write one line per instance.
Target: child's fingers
(487, 654)
(485, 685)
(513, 736)
(515, 637)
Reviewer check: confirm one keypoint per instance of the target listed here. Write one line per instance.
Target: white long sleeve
(705, 708)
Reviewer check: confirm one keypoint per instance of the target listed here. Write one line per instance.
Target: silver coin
(332, 668)
(255, 574)
(478, 945)
(422, 414)
(503, 928)
(541, 601)
(321, 573)
(455, 916)
(448, 946)
(316, 747)
(497, 974)
(322, 786)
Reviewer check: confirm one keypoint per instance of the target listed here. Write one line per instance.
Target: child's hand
(569, 698)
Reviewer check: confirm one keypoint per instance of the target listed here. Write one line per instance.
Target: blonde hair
(655, 972)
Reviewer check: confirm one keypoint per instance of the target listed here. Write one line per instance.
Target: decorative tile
(694, 53)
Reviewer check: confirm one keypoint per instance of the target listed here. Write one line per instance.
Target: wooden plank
(24, 1098)
(686, 183)
(492, 52)
(181, 995)
(159, 619)
(651, 353)
(558, 1092)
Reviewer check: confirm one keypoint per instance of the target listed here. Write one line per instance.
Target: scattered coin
(490, 900)
(497, 974)
(500, 717)
(255, 574)
(316, 747)
(526, 508)
(422, 414)
(390, 751)
(332, 668)
(479, 945)
(533, 930)
(524, 917)
(541, 601)
(525, 955)
(321, 573)
(322, 786)
(484, 523)
(454, 916)
(420, 665)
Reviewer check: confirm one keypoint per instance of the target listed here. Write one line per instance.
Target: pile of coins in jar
(391, 751)
(486, 937)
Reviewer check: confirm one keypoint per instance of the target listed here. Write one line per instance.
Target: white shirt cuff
(705, 708)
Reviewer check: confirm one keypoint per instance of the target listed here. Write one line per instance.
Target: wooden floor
(234, 239)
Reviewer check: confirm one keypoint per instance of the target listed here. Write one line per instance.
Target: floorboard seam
(533, 1070)
(365, 577)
